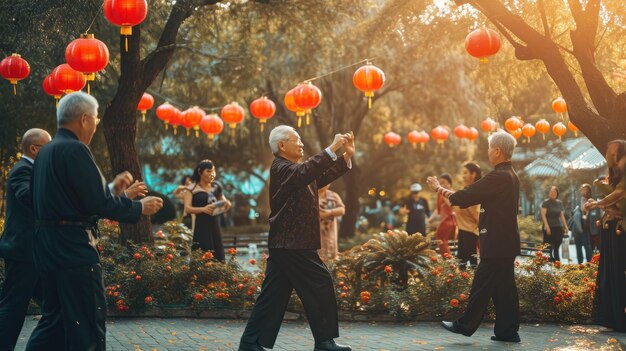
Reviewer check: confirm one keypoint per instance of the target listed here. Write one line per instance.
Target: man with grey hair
(69, 196)
(498, 194)
(294, 239)
(21, 280)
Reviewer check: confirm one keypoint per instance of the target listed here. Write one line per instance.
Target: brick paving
(183, 334)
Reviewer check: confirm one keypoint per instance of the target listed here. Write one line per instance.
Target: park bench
(248, 242)
(528, 249)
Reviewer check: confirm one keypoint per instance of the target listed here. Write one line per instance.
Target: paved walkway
(213, 334)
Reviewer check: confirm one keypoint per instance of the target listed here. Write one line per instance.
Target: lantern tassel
(166, 125)
(56, 102)
(175, 130)
(14, 90)
(262, 127)
(143, 116)
(369, 102)
(126, 43)
(197, 134)
(299, 121)
(422, 146)
(187, 131)
(544, 136)
(88, 88)
(308, 119)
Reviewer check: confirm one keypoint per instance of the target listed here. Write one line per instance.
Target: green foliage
(530, 229)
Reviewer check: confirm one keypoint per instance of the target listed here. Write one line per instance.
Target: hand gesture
(548, 231)
(121, 182)
(151, 205)
(433, 183)
(324, 213)
(227, 205)
(349, 147)
(137, 189)
(589, 205)
(340, 140)
(208, 209)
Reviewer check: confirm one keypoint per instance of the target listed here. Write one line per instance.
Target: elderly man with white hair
(294, 239)
(498, 194)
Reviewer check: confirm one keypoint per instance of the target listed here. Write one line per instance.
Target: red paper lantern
(87, 55)
(49, 89)
(517, 133)
(14, 68)
(307, 97)
(424, 138)
(543, 127)
(573, 128)
(559, 105)
(472, 134)
(126, 14)
(146, 103)
(176, 119)
(461, 131)
(488, 125)
(368, 79)
(482, 43)
(290, 104)
(211, 125)
(528, 130)
(392, 139)
(413, 138)
(513, 123)
(559, 129)
(440, 134)
(67, 79)
(192, 118)
(165, 112)
(232, 114)
(263, 109)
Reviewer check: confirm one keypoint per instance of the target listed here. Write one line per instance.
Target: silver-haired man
(498, 194)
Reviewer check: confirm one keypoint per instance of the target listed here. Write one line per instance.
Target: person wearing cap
(417, 209)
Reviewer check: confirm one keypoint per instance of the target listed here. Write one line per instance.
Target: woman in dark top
(554, 224)
(205, 199)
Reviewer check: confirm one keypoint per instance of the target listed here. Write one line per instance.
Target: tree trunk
(353, 189)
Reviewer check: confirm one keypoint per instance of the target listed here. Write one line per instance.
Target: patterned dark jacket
(294, 218)
(498, 195)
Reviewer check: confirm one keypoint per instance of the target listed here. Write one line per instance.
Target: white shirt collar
(29, 159)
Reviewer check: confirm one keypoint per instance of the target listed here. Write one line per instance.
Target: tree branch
(544, 18)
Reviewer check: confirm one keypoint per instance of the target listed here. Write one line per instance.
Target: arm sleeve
(20, 182)
(93, 193)
(339, 168)
(489, 185)
(426, 208)
(298, 175)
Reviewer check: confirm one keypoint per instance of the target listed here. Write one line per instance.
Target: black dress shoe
(330, 345)
(244, 346)
(514, 338)
(450, 326)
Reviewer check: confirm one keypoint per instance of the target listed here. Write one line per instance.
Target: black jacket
(498, 194)
(294, 218)
(68, 186)
(17, 240)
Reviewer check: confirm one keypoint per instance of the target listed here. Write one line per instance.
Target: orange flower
(198, 297)
(341, 283)
(168, 268)
(232, 251)
(252, 261)
(388, 269)
(557, 264)
(433, 259)
(454, 303)
(148, 299)
(595, 259)
(240, 286)
(137, 256)
(465, 275)
(137, 277)
(463, 297)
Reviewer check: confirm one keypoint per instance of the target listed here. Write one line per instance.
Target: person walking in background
(179, 193)
(498, 194)
(467, 220)
(554, 223)
(206, 201)
(417, 209)
(21, 280)
(447, 225)
(331, 207)
(69, 197)
(583, 224)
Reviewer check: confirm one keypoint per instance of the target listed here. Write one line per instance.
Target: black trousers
(467, 248)
(582, 241)
(21, 282)
(555, 239)
(74, 311)
(286, 270)
(494, 280)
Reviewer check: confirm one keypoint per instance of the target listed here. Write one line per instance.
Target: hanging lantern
(413, 138)
(165, 112)
(424, 138)
(472, 134)
(392, 139)
(513, 123)
(307, 96)
(126, 14)
(176, 119)
(49, 89)
(482, 43)
(543, 127)
(232, 114)
(368, 79)
(488, 125)
(559, 129)
(559, 105)
(262, 109)
(440, 134)
(211, 125)
(14, 68)
(146, 103)
(191, 118)
(528, 130)
(461, 131)
(290, 104)
(517, 133)
(87, 55)
(573, 128)
(67, 79)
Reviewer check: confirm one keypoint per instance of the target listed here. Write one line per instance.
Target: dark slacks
(582, 241)
(21, 282)
(555, 239)
(73, 311)
(286, 270)
(467, 248)
(494, 280)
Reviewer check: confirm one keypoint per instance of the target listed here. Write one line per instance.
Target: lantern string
(338, 70)
(95, 17)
